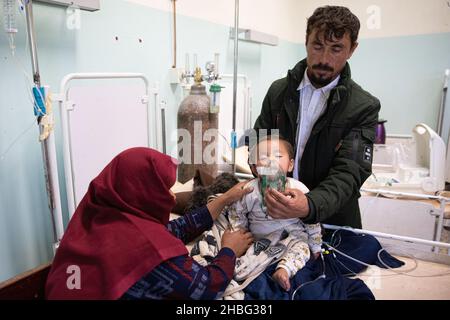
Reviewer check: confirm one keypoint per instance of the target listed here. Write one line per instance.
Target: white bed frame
(438, 213)
(154, 126)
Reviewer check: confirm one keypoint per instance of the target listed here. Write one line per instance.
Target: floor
(429, 281)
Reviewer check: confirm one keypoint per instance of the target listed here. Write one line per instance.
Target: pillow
(182, 187)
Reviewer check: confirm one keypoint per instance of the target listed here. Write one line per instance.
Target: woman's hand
(238, 241)
(236, 193)
(216, 206)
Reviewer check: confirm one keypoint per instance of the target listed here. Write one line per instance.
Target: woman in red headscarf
(120, 243)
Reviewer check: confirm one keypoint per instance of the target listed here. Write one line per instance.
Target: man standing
(329, 119)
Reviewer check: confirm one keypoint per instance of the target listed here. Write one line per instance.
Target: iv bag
(9, 16)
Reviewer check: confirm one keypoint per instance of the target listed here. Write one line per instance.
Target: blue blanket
(327, 278)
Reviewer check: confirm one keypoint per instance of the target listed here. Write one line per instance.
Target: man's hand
(290, 204)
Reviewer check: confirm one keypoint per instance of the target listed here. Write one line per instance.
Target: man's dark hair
(333, 21)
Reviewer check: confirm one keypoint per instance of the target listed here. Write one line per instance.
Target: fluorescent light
(255, 36)
(89, 5)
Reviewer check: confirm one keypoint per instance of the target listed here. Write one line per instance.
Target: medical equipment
(413, 164)
(322, 276)
(184, 76)
(243, 122)
(255, 36)
(88, 5)
(447, 166)
(431, 155)
(198, 130)
(44, 117)
(235, 76)
(87, 105)
(271, 177)
(9, 21)
(9, 16)
(443, 103)
(441, 122)
(390, 236)
(215, 90)
(212, 69)
(332, 246)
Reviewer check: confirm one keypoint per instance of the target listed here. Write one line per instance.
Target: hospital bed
(419, 278)
(427, 277)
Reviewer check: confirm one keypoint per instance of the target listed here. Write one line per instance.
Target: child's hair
(200, 194)
(254, 149)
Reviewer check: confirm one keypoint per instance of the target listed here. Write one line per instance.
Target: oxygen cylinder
(197, 134)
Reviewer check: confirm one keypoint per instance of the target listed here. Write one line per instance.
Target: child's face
(274, 150)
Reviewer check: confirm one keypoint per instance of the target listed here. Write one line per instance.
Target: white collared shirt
(312, 105)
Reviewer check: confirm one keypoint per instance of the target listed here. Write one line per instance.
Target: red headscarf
(118, 232)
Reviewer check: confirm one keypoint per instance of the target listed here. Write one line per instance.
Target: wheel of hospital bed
(29, 285)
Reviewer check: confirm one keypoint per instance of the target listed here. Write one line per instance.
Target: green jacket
(338, 155)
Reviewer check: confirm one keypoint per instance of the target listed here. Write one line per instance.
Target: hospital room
(247, 151)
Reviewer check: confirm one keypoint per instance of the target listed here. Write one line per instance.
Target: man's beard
(320, 81)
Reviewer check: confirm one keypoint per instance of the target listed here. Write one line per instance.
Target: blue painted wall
(25, 226)
(404, 72)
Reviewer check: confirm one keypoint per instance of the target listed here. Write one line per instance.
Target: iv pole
(235, 74)
(443, 101)
(47, 144)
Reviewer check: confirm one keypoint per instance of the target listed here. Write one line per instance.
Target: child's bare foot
(282, 278)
